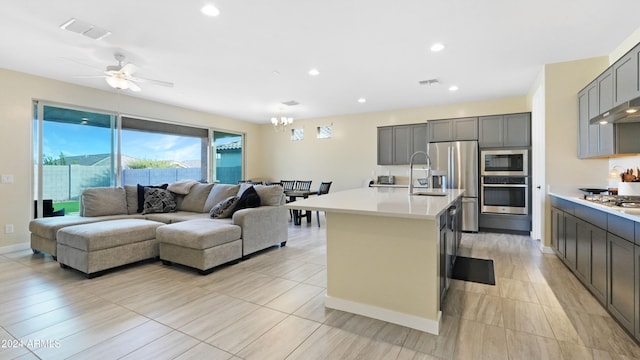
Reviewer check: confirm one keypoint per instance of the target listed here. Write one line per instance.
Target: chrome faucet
(428, 170)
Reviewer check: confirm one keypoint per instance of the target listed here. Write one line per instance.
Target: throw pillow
(158, 200)
(218, 193)
(224, 208)
(141, 194)
(181, 187)
(248, 199)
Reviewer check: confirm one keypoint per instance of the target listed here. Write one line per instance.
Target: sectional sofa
(122, 225)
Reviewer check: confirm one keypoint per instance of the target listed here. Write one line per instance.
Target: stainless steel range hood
(626, 112)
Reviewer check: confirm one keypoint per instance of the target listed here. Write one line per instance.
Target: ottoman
(202, 244)
(92, 248)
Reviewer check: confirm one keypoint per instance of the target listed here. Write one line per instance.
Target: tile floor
(271, 306)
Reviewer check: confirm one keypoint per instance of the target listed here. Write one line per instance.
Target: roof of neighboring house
(236, 145)
(104, 159)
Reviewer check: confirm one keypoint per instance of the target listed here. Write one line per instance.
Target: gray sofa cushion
(182, 187)
(104, 201)
(131, 192)
(219, 193)
(270, 195)
(107, 234)
(196, 198)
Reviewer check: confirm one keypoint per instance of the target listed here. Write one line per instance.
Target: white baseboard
(411, 321)
(546, 249)
(14, 248)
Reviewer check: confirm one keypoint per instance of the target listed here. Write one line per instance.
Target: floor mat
(475, 270)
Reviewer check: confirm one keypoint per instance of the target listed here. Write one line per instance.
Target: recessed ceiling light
(437, 47)
(314, 72)
(362, 100)
(453, 88)
(631, 111)
(210, 10)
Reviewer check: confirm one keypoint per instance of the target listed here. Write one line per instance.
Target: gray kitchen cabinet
(401, 144)
(512, 130)
(491, 131)
(620, 280)
(419, 135)
(571, 240)
(637, 289)
(598, 284)
(557, 232)
(385, 145)
(605, 90)
(626, 77)
(593, 140)
(397, 143)
(583, 251)
(453, 129)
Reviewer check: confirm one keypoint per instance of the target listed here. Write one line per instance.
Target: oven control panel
(507, 180)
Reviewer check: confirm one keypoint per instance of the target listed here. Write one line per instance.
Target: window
(154, 152)
(73, 150)
(227, 159)
(324, 132)
(297, 134)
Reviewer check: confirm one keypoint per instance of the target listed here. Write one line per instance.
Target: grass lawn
(69, 206)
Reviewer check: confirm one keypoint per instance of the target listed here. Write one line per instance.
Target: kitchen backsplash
(620, 163)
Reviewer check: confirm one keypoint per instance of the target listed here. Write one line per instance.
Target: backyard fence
(66, 182)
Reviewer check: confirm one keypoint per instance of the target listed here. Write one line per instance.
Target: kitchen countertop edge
(577, 198)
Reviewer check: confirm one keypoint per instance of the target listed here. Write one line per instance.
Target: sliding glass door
(74, 149)
(227, 157)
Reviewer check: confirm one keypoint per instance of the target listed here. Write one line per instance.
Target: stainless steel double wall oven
(504, 187)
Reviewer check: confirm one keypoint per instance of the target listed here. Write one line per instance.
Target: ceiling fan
(122, 76)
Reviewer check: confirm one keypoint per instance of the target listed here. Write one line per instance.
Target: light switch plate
(7, 179)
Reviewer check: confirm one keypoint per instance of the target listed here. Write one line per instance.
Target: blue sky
(74, 140)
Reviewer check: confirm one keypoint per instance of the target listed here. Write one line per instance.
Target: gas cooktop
(615, 200)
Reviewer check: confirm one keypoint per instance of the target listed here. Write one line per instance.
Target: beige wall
(16, 94)
(350, 156)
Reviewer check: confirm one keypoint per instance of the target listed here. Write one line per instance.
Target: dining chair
(323, 189)
(302, 185)
(288, 184)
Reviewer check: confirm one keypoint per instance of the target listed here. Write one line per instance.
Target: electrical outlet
(8, 228)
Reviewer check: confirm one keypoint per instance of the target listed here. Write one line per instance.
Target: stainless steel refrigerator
(460, 160)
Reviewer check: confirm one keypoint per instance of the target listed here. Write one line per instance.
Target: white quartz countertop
(631, 214)
(382, 201)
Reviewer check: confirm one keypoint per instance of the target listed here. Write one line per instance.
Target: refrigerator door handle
(452, 168)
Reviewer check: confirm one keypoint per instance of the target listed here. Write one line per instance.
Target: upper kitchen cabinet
(397, 143)
(512, 130)
(605, 90)
(594, 140)
(385, 145)
(453, 129)
(626, 77)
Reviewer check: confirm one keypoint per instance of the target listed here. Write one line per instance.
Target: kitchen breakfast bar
(384, 252)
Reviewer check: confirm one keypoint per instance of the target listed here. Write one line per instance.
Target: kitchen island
(384, 252)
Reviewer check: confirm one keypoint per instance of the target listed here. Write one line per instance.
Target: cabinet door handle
(538, 187)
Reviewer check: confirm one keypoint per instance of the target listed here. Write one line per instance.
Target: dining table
(295, 194)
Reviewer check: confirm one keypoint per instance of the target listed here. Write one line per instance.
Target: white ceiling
(256, 53)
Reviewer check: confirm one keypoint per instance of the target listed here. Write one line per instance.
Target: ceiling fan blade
(88, 76)
(133, 86)
(151, 81)
(129, 69)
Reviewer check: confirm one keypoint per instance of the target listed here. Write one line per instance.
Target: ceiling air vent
(86, 29)
(429, 82)
(290, 103)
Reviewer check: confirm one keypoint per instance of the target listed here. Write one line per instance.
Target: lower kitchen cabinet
(571, 239)
(637, 292)
(621, 282)
(583, 251)
(557, 232)
(598, 284)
